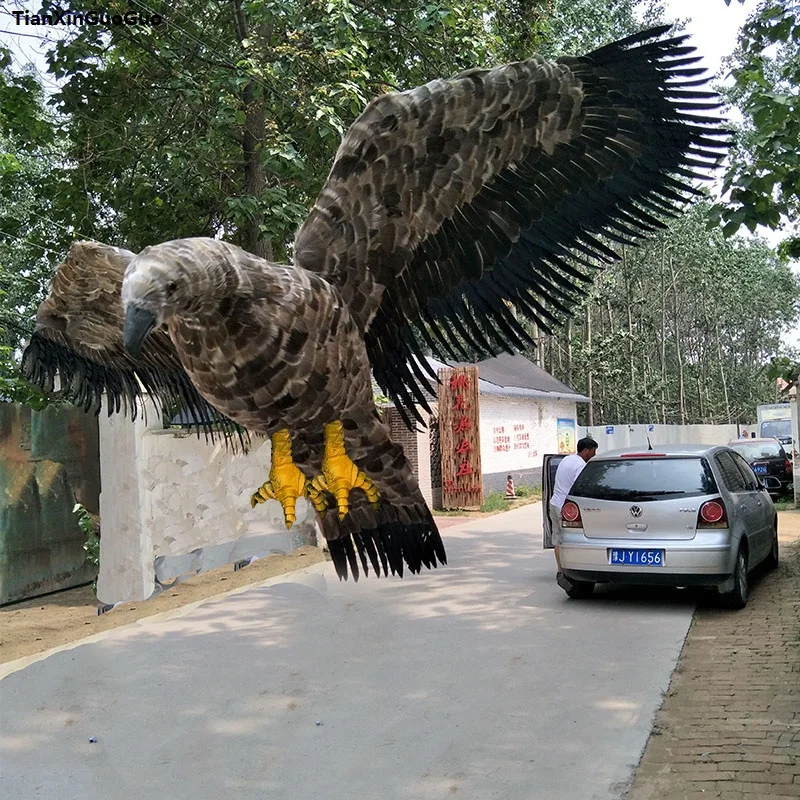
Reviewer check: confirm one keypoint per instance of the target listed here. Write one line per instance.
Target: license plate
(635, 558)
(760, 469)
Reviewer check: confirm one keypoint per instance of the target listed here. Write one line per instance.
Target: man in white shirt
(566, 474)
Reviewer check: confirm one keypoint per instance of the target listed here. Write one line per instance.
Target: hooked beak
(138, 323)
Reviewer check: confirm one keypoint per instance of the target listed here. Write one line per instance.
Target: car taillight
(571, 515)
(788, 467)
(712, 514)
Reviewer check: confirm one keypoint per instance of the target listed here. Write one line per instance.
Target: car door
(762, 509)
(742, 516)
(550, 464)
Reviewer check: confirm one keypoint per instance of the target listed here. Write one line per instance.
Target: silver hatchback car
(673, 516)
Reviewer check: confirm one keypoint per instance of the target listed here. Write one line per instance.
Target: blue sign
(650, 428)
(609, 429)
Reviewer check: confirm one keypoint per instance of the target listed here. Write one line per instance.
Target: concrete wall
(173, 505)
(636, 435)
(49, 460)
(515, 434)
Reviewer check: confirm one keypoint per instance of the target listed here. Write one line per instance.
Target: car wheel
(577, 590)
(771, 561)
(737, 596)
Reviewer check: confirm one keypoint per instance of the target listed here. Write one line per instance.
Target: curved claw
(316, 491)
(262, 494)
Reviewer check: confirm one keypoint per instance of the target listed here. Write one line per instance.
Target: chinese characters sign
(459, 420)
(515, 438)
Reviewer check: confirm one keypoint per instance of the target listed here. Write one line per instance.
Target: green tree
(223, 120)
(682, 329)
(27, 139)
(763, 177)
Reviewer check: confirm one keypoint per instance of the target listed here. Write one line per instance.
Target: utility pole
(589, 388)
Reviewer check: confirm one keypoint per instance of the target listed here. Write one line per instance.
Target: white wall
(535, 435)
(636, 435)
(423, 436)
(172, 504)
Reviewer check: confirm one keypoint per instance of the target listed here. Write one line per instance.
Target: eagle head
(163, 281)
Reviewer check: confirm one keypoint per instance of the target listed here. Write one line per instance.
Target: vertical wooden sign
(459, 431)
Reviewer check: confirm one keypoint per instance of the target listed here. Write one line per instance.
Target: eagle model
(448, 208)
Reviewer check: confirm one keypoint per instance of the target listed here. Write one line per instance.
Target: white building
(520, 408)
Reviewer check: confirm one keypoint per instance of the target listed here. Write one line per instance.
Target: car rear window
(752, 450)
(645, 479)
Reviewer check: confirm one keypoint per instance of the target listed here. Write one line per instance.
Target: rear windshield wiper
(598, 493)
(624, 494)
(659, 492)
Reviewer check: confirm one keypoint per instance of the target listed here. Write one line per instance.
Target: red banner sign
(459, 431)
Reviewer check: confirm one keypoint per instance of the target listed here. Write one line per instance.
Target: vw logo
(636, 511)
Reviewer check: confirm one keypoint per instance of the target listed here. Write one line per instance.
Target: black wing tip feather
(646, 35)
(85, 382)
(391, 548)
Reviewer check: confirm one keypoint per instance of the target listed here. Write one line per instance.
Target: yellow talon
(286, 482)
(315, 491)
(339, 473)
(262, 494)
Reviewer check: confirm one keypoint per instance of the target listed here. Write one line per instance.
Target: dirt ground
(729, 727)
(36, 625)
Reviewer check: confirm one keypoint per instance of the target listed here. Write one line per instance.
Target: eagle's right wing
(453, 205)
(78, 337)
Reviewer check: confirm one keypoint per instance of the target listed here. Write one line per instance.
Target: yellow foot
(286, 482)
(340, 474)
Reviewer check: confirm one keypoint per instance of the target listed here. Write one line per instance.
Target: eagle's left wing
(451, 203)
(78, 336)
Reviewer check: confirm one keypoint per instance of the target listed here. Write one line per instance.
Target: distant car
(769, 461)
(674, 516)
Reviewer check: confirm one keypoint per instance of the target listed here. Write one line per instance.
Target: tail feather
(390, 547)
(400, 533)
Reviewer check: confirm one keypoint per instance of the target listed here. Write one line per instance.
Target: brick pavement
(729, 727)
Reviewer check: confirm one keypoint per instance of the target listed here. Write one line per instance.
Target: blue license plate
(760, 469)
(635, 558)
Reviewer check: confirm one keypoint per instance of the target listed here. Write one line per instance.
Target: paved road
(480, 680)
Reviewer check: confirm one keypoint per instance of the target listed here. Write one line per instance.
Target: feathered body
(270, 346)
(447, 207)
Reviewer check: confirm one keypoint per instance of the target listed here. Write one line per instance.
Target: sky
(712, 24)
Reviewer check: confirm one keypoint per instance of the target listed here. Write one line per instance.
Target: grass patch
(528, 492)
(784, 505)
(496, 501)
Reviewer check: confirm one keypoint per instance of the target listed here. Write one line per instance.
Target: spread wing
(78, 336)
(452, 205)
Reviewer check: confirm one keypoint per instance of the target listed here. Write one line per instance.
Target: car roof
(677, 450)
(748, 441)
